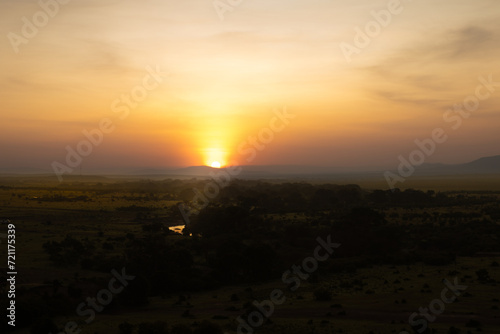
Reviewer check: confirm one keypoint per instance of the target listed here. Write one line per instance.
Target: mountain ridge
(483, 165)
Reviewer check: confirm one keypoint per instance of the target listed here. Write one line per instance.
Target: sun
(216, 164)
(215, 157)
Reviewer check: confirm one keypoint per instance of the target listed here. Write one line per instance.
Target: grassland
(370, 298)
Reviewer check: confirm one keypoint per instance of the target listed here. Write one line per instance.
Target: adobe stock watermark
(103, 298)
(223, 6)
(372, 29)
(422, 318)
(95, 137)
(3, 235)
(455, 116)
(31, 27)
(248, 149)
(295, 276)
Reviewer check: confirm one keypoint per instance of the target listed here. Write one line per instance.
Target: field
(395, 252)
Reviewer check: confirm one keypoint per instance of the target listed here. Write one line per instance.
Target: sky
(206, 80)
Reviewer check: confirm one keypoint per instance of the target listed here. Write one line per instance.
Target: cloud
(437, 69)
(470, 42)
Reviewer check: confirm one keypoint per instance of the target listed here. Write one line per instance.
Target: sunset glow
(181, 87)
(214, 157)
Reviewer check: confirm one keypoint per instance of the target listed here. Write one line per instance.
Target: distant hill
(482, 166)
(486, 165)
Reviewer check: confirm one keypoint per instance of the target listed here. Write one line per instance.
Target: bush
(473, 323)
(181, 329)
(44, 326)
(125, 328)
(483, 275)
(159, 327)
(322, 294)
(208, 327)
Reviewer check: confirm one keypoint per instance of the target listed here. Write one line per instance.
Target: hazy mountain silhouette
(486, 165)
(483, 165)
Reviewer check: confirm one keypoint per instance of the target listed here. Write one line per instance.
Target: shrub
(159, 327)
(125, 328)
(322, 294)
(208, 327)
(473, 323)
(44, 326)
(181, 329)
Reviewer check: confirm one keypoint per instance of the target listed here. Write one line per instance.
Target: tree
(159, 327)
(322, 294)
(125, 328)
(208, 327)
(483, 275)
(44, 326)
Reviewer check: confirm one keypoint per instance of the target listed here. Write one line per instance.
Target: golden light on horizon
(215, 157)
(216, 164)
(216, 139)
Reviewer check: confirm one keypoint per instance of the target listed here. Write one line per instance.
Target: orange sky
(222, 80)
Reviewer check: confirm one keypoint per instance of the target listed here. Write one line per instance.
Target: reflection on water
(177, 229)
